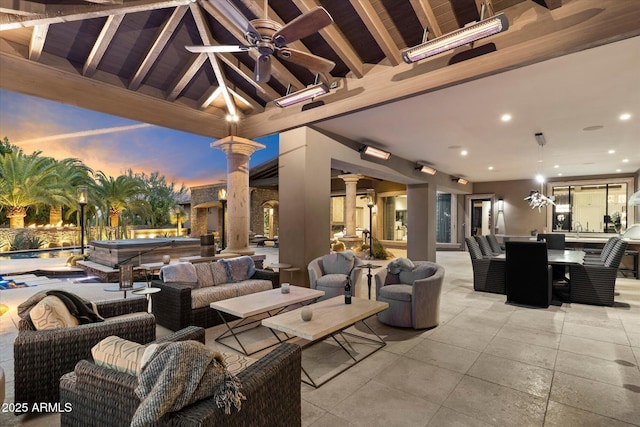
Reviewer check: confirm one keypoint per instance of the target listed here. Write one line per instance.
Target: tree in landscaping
(115, 195)
(162, 196)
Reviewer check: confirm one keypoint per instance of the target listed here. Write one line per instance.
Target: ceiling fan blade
(303, 26)
(315, 64)
(237, 18)
(262, 70)
(216, 49)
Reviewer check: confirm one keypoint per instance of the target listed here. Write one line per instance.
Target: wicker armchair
(488, 273)
(104, 397)
(595, 284)
(42, 357)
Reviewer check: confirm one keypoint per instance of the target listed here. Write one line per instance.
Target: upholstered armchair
(528, 274)
(488, 273)
(413, 295)
(42, 357)
(595, 284)
(329, 273)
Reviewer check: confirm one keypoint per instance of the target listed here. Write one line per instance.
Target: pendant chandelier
(536, 198)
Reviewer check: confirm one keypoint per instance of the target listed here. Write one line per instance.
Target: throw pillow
(337, 263)
(51, 313)
(183, 272)
(204, 275)
(421, 271)
(118, 354)
(219, 271)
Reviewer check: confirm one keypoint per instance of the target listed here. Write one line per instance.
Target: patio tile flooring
(487, 364)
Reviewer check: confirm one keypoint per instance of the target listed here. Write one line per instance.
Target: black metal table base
(379, 343)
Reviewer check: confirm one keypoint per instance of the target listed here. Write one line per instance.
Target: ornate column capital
(237, 145)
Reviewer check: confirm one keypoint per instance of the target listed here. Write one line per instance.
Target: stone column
(238, 151)
(350, 238)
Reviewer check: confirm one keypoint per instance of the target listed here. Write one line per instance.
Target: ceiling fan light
(305, 94)
(471, 33)
(368, 150)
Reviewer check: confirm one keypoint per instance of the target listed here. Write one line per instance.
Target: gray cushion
(239, 269)
(421, 271)
(332, 281)
(396, 292)
(337, 263)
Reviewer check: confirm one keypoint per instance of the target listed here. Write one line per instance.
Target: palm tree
(73, 173)
(28, 181)
(117, 194)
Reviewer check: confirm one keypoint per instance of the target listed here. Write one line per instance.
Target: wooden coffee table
(248, 307)
(330, 319)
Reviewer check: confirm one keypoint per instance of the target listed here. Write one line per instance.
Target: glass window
(443, 218)
(394, 217)
(595, 208)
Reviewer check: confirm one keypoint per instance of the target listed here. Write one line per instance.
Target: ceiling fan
(269, 37)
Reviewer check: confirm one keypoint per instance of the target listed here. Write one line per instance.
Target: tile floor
(486, 364)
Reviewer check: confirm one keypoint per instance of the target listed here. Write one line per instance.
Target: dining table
(558, 257)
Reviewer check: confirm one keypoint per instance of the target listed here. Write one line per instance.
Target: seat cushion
(331, 281)
(397, 292)
(204, 296)
(252, 286)
(421, 271)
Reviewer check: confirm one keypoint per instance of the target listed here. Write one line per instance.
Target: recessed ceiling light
(611, 151)
(540, 178)
(464, 152)
(505, 117)
(596, 127)
(560, 174)
(625, 116)
(618, 170)
(556, 166)
(625, 160)
(490, 168)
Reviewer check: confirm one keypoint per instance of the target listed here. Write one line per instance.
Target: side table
(147, 291)
(369, 266)
(117, 288)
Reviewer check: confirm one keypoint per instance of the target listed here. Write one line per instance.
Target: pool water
(42, 253)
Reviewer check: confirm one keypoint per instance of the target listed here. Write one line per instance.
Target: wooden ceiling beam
(102, 43)
(188, 73)
(38, 38)
(278, 70)
(207, 38)
(105, 1)
(518, 47)
(242, 96)
(57, 13)
(374, 24)
(70, 87)
(265, 92)
(336, 40)
(157, 47)
(427, 17)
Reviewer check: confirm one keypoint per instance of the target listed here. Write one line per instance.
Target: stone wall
(260, 196)
(201, 195)
(52, 237)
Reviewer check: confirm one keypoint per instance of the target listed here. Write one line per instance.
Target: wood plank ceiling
(128, 57)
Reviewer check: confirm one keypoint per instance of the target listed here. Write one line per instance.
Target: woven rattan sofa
(104, 397)
(42, 357)
(174, 307)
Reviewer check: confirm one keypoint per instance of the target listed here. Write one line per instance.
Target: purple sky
(113, 144)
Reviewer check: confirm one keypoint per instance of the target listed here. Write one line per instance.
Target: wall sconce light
(310, 92)
(460, 180)
(469, 34)
(424, 168)
(368, 150)
(500, 205)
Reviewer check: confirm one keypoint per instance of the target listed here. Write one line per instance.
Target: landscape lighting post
(82, 201)
(370, 204)
(222, 197)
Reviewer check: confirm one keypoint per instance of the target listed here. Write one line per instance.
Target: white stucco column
(238, 151)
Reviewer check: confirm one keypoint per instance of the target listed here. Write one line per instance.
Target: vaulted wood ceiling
(128, 57)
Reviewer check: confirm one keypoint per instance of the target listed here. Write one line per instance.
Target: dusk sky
(114, 144)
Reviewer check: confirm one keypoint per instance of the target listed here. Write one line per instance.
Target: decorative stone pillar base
(351, 241)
